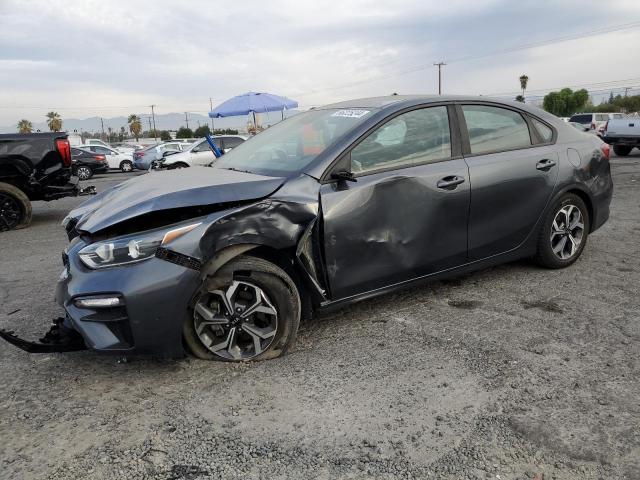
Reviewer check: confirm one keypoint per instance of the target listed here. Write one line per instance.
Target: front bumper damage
(59, 338)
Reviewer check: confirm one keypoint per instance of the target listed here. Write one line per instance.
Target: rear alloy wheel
(15, 208)
(252, 315)
(126, 166)
(84, 173)
(563, 235)
(622, 150)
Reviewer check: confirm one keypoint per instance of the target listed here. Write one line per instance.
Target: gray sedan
(329, 207)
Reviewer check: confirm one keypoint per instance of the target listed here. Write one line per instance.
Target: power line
(526, 46)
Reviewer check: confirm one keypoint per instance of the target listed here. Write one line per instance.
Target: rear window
(602, 117)
(583, 118)
(231, 142)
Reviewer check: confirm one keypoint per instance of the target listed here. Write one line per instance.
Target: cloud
(110, 58)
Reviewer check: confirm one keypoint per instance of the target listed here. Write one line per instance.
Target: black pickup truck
(34, 166)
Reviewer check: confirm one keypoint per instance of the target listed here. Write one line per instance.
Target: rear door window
(495, 129)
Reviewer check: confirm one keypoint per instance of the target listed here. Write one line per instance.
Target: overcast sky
(107, 58)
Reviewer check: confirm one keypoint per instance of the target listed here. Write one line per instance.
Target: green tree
(135, 126)
(165, 136)
(54, 121)
(184, 132)
(519, 98)
(25, 126)
(523, 85)
(201, 131)
(610, 102)
(566, 102)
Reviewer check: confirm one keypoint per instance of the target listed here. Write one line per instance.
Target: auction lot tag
(356, 113)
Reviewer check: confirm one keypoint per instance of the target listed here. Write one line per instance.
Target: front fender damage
(273, 223)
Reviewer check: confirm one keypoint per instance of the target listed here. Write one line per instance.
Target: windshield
(294, 143)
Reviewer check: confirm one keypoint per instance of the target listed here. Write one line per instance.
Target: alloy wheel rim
(10, 212)
(83, 173)
(567, 231)
(236, 323)
(126, 166)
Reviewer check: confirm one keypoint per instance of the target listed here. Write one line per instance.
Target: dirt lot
(509, 373)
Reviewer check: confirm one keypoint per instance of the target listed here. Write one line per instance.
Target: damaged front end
(59, 338)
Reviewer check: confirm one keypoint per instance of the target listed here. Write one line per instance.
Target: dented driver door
(406, 215)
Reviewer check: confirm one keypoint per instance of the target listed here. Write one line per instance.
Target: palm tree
(25, 126)
(523, 84)
(54, 121)
(135, 127)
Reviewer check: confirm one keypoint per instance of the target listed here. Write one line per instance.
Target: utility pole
(626, 90)
(440, 65)
(102, 123)
(153, 114)
(186, 119)
(211, 105)
(149, 118)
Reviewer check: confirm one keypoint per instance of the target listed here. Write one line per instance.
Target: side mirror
(344, 176)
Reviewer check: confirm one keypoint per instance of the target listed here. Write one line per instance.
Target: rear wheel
(84, 173)
(126, 166)
(15, 208)
(178, 165)
(622, 150)
(563, 234)
(248, 311)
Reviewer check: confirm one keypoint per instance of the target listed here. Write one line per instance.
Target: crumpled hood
(155, 191)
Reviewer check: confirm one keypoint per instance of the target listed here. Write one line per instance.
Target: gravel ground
(509, 373)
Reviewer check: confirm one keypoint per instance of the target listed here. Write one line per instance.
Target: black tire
(178, 165)
(622, 150)
(83, 172)
(15, 208)
(276, 285)
(126, 166)
(545, 256)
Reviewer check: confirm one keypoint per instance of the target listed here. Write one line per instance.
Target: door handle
(450, 182)
(545, 165)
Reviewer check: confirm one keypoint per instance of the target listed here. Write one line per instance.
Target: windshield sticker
(350, 113)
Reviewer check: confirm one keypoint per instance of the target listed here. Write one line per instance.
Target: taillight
(606, 125)
(606, 150)
(593, 125)
(139, 154)
(101, 158)
(64, 149)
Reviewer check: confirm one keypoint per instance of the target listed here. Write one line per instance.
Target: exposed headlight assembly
(130, 248)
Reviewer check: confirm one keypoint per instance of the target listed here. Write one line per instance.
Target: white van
(595, 121)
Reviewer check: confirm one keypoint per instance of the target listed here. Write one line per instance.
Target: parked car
(200, 153)
(84, 164)
(379, 194)
(623, 135)
(595, 121)
(145, 158)
(115, 159)
(35, 166)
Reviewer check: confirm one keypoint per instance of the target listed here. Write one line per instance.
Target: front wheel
(248, 311)
(177, 165)
(563, 234)
(126, 166)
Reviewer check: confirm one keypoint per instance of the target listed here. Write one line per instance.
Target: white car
(115, 159)
(200, 153)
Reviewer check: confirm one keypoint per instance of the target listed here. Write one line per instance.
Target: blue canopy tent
(252, 103)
